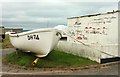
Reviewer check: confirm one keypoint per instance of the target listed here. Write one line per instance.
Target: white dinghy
(39, 41)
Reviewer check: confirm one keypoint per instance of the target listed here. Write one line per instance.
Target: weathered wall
(98, 31)
(91, 52)
(119, 31)
(79, 50)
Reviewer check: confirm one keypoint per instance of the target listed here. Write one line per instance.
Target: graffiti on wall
(99, 26)
(98, 30)
(103, 20)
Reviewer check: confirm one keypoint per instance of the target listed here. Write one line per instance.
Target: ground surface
(10, 71)
(54, 59)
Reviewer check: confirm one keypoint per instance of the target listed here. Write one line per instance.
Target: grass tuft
(6, 43)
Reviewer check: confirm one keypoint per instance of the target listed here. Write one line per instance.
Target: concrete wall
(79, 50)
(119, 33)
(98, 31)
(94, 37)
(91, 52)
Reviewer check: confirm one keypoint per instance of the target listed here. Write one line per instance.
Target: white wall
(79, 50)
(119, 33)
(106, 37)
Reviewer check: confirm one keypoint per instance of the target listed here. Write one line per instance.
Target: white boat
(39, 41)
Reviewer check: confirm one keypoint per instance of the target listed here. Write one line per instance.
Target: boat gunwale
(33, 31)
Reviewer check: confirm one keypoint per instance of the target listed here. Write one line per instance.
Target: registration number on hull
(31, 37)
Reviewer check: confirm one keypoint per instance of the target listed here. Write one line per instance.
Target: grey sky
(32, 15)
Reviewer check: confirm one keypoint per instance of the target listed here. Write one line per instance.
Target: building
(1, 30)
(98, 31)
(2, 33)
(13, 29)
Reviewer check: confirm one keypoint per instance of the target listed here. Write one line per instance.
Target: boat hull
(40, 42)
